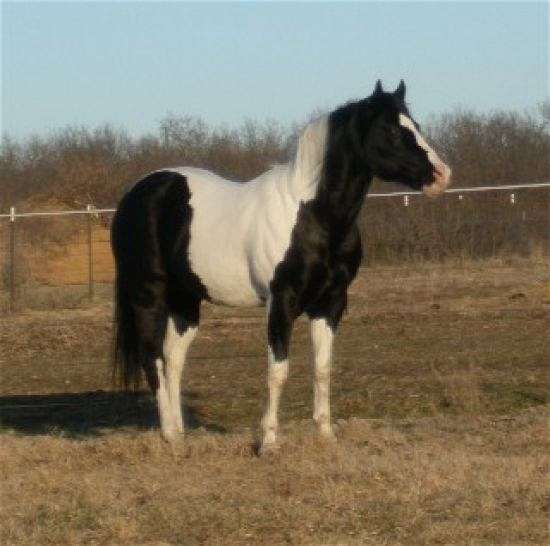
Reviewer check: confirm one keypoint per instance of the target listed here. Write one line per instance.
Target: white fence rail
(12, 215)
(93, 213)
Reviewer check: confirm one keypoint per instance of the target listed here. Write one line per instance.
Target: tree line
(74, 166)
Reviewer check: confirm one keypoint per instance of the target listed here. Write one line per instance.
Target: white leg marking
(322, 337)
(276, 377)
(175, 350)
(165, 411)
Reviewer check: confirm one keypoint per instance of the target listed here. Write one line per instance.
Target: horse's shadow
(87, 413)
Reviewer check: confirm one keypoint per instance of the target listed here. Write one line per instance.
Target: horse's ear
(400, 91)
(378, 88)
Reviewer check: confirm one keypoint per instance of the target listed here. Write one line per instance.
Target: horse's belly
(218, 256)
(227, 281)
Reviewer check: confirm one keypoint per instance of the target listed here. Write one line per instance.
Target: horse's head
(394, 148)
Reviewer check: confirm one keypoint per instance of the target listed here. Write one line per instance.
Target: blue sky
(130, 63)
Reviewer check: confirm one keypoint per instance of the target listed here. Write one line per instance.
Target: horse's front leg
(280, 318)
(325, 317)
(322, 337)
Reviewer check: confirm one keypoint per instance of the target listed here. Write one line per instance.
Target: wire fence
(54, 259)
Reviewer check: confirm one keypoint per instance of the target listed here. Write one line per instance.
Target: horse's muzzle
(441, 181)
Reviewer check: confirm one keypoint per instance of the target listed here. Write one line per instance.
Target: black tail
(149, 228)
(128, 360)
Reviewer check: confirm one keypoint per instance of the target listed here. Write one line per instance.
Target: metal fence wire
(63, 258)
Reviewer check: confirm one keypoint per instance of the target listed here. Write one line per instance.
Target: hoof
(327, 436)
(171, 436)
(268, 448)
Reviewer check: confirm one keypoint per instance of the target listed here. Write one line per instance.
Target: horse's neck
(341, 192)
(328, 175)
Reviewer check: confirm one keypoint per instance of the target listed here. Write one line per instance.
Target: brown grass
(441, 392)
(442, 481)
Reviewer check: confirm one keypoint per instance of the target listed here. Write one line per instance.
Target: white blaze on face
(442, 172)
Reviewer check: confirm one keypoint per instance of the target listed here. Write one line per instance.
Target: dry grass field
(441, 393)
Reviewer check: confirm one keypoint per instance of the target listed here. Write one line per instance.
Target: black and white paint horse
(287, 239)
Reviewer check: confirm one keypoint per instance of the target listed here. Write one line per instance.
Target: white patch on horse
(443, 172)
(175, 349)
(163, 402)
(240, 232)
(276, 377)
(322, 336)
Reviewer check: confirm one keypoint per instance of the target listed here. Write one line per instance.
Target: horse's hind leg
(180, 333)
(181, 327)
(152, 323)
(163, 401)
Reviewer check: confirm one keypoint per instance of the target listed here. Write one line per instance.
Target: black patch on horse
(325, 250)
(150, 239)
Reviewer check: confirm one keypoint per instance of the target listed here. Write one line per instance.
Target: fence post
(90, 208)
(12, 260)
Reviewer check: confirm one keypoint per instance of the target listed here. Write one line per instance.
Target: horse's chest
(319, 262)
